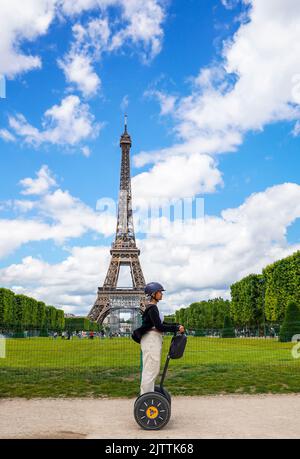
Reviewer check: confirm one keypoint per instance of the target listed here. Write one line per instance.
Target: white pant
(151, 345)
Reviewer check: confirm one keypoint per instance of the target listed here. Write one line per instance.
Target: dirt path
(265, 416)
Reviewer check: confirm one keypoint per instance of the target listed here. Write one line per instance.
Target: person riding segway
(152, 408)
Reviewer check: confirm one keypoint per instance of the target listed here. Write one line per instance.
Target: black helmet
(153, 287)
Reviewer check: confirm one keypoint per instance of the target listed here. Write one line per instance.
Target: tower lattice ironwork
(112, 300)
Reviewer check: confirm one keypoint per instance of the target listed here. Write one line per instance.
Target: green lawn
(44, 367)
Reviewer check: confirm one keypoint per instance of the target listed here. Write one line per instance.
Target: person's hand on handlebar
(181, 329)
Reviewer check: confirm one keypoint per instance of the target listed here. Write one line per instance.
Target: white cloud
(16, 232)
(73, 218)
(144, 18)
(252, 85)
(267, 42)
(142, 21)
(135, 22)
(75, 7)
(86, 151)
(6, 135)
(87, 47)
(41, 184)
(78, 69)
(230, 4)
(167, 101)
(177, 177)
(71, 284)
(124, 103)
(65, 218)
(296, 130)
(55, 216)
(22, 205)
(204, 144)
(66, 124)
(22, 23)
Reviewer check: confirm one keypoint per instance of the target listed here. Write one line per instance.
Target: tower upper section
(125, 231)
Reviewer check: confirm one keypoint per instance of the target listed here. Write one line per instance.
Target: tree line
(21, 312)
(204, 314)
(81, 324)
(261, 298)
(257, 300)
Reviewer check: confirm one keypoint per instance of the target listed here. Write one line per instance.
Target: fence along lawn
(48, 367)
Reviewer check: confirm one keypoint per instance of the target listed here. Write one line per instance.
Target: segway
(152, 410)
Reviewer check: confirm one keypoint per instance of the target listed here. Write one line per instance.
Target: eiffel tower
(112, 300)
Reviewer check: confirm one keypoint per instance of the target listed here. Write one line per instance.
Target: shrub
(228, 329)
(291, 323)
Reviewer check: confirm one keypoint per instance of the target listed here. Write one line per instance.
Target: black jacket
(151, 319)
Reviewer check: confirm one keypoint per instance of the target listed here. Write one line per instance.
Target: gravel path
(237, 416)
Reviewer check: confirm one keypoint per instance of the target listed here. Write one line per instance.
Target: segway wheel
(152, 411)
(163, 392)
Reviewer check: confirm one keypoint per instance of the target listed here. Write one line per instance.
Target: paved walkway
(264, 416)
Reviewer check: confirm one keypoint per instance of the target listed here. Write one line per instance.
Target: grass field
(44, 367)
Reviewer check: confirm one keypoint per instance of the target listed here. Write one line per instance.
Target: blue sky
(213, 112)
